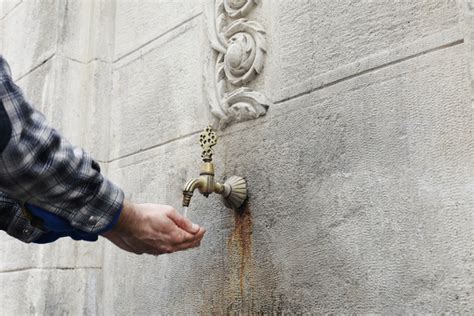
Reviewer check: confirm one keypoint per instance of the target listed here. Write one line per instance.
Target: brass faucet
(233, 190)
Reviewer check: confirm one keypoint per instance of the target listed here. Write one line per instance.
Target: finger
(181, 237)
(161, 251)
(188, 245)
(183, 222)
(200, 234)
(153, 249)
(192, 243)
(196, 242)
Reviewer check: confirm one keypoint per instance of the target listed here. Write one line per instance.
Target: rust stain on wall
(240, 243)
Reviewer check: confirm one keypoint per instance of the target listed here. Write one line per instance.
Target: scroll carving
(238, 54)
(238, 8)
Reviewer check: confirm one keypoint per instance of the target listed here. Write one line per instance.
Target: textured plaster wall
(361, 173)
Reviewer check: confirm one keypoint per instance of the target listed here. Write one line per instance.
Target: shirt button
(26, 231)
(92, 219)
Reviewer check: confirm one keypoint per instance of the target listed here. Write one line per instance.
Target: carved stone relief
(238, 54)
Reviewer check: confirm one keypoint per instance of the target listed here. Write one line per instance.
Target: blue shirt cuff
(57, 227)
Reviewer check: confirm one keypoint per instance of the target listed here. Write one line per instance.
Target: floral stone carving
(238, 8)
(238, 53)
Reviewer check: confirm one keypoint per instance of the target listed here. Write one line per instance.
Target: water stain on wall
(239, 247)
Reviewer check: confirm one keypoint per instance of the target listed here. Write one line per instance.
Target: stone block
(97, 108)
(311, 38)
(64, 254)
(52, 292)
(140, 22)
(158, 92)
(75, 99)
(7, 6)
(30, 34)
(87, 31)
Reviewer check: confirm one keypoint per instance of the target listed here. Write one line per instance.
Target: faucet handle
(207, 140)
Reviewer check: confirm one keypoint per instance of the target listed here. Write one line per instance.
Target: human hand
(154, 229)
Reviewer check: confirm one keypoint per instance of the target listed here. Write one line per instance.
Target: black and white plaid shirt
(38, 166)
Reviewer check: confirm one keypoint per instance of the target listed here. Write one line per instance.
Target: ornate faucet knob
(207, 140)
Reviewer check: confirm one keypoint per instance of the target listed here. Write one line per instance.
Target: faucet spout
(189, 188)
(233, 190)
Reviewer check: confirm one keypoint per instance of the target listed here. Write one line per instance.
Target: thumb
(183, 222)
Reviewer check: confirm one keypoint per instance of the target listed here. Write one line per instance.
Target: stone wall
(360, 174)
(63, 63)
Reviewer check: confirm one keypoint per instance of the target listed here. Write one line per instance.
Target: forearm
(37, 165)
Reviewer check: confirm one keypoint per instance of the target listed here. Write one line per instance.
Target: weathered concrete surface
(7, 6)
(87, 31)
(137, 23)
(361, 175)
(158, 92)
(376, 212)
(469, 35)
(311, 38)
(64, 277)
(361, 199)
(51, 292)
(27, 44)
(63, 254)
(76, 98)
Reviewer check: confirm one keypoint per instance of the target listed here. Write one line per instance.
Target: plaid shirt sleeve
(38, 166)
(13, 222)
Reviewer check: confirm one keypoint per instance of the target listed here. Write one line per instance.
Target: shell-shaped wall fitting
(238, 194)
